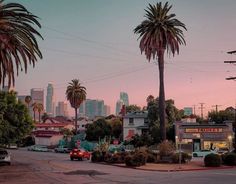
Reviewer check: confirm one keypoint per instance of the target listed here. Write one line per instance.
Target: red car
(79, 154)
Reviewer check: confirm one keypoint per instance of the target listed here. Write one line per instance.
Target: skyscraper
(50, 100)
(61, 109)
(107, 110)
(125, 98)
(119, 105)
(37, 96)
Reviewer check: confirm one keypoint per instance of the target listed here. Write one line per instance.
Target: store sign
(203, 130)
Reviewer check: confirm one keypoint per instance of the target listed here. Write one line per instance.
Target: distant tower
(125, 98)
(61, 109)
(37, 96)
(119, 105)
(50, 100)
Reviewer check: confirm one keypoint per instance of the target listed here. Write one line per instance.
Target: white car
(5, 157)
(203, 153)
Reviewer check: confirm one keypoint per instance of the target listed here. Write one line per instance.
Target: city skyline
(103, 52)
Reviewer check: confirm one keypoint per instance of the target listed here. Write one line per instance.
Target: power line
(202, 109)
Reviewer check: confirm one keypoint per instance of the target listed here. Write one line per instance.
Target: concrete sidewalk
(191, 166)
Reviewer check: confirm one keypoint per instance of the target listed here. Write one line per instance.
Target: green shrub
(151, 158)
(229, 159)
(185, 157)
(136, 159)
(97, 156)
(212, 160)
(166, 148)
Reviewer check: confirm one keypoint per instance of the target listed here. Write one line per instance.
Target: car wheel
(71, 159)
(9, 163)
(80, 159)
(195, 155)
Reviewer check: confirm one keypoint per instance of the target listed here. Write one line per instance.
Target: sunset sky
(93, 40)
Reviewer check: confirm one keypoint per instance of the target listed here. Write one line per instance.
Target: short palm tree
(18, 45)
(35, 109)
(75, 94)
(40, 109)
(160, 32)
(28, 99)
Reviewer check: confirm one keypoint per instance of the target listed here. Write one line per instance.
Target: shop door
(196, 145)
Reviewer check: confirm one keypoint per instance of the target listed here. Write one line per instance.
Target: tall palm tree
(40, 109)
(28, 99)
(35, 109)
(18, 44)
(75, 94)
(160, 32)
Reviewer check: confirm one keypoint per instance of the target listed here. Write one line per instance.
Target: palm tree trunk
(162, 95)
(34, 116)
(39, 116)
(76, 116)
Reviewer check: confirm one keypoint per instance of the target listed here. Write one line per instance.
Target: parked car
(5, 157)
(40, 148)
(62, 149)
(203, 153)
(79, 154)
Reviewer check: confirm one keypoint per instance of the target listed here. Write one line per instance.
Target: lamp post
(176, 142)
(230, 141)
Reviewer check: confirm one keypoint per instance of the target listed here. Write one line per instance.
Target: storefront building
(195, 136)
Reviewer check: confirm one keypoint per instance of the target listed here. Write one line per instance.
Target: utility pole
(194, 109)
(216, 106)
(202, 109)
(233, 78)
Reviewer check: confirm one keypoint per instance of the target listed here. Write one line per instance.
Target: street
(48, 168)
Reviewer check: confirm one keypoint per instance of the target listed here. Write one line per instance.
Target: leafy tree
(75, 94)
(160, 32)
(15, 121)
(45, 116)
(116, 128)
(141, 140)
(221, 116)
(99, 129)
(19, 46)
(132, 108)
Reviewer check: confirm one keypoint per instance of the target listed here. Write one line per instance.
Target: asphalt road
(55, 168)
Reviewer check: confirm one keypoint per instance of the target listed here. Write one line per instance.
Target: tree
(44, 117)
(35, 109)
(160, 32)
(15, 121)
(40, 109)
(28, 99)
(19, 46)
(132, 108)
(99, 129)
(75, 94)
(221, 116)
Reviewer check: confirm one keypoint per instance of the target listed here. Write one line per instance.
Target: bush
(136, 159)
(229, 159)
(97, 156)
(151, 158)
(166, 148)
(212, 160)
(185, 157)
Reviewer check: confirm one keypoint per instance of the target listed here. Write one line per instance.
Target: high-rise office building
(50, 100)
(6, 88)
(92, 108)
(37, 96)
(119, 105)
(62, 109)
(125, 98)
(107, 110)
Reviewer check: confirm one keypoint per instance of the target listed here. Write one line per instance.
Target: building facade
(37, 96)
(119, 105)
(135, 123)
(50, 100)
(195, 136)
(62, 109)
(125, 98)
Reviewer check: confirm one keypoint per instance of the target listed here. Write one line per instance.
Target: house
(135, 123)
(50, 132)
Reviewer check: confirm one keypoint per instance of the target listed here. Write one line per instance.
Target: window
(131, 121)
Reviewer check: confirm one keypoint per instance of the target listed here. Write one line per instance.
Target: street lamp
(230, 141)
(176, 142)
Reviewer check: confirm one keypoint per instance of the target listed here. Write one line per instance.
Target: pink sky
(95, 43)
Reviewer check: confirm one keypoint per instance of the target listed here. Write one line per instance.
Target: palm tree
(19, 46)
(40, 109)
(35, 108)
(75, 94)
(160, 32)
(28, 99)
